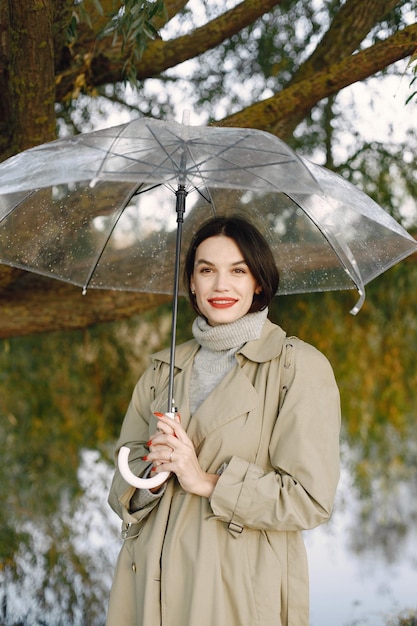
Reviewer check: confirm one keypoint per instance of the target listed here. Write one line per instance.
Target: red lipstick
(222, 303)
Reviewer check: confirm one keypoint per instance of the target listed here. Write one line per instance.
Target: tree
(61, 61)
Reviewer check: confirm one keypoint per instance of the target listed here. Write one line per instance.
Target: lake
(353, 583)
(350, 588)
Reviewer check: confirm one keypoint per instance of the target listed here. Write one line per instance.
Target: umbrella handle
(131, 478)
(135, 481)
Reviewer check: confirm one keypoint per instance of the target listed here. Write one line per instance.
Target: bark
(32, 304)
(29, 68)
(162, 55)
(345, 34)
(35, 55)
(276, 114)
(107, 64)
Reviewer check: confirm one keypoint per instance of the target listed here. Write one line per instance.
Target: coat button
(133, 567)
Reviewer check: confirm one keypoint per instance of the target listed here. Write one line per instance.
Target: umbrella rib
(93, 268)
(358, 282)
(227, 148)
(134, 160)
(237, 167)
(16, 206)
(107, 152)
(207, 197)
(197, 166)
(224, 149)
(168, 155)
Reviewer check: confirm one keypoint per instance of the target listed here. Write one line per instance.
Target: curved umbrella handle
(129, 476)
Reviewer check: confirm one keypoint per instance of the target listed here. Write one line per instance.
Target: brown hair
(254, 248)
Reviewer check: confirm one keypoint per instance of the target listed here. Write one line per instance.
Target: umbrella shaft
(181, 195)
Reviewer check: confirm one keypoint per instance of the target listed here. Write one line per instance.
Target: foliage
(133, 22)
(279, 66)
(407, 618)
(267, 54)
(374, 368)
(413, 64)
(63, 394)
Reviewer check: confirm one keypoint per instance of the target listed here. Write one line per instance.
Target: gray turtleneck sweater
(217, 355)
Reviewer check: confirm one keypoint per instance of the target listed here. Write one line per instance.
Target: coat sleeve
(303, 451)
(136, 429)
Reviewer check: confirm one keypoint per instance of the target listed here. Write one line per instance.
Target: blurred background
(334, 79)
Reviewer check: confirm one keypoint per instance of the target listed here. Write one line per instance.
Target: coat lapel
(232, 397)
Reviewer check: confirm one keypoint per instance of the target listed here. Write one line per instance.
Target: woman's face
(223, 283)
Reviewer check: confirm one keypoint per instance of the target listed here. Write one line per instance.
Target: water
(358, 589)
(360, 586)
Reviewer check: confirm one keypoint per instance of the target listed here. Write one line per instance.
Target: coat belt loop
(130, 530)
(235, 529)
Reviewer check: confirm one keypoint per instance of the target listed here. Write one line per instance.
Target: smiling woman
(222, 283)
(220, 541)
(226, 255)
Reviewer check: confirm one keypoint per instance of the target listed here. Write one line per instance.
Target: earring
(192, 292)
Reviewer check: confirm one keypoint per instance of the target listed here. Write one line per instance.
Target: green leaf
(98, 7)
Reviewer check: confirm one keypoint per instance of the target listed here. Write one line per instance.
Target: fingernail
(149, 443)
(145, 458)
(159, 414)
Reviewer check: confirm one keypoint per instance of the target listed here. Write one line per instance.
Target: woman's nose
(222, 282)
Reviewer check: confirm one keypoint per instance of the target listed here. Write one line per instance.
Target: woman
(219, 544)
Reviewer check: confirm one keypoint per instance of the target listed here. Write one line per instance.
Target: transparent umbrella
(112, 209)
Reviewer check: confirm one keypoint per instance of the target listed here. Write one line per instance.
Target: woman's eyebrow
(204, 262)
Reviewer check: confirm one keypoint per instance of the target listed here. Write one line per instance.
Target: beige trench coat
(237, 559)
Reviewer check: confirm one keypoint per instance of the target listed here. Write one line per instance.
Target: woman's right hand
(167, 430)
(175, 453)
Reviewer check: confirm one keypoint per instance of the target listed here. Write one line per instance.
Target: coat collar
(267, 347)
(235, 393)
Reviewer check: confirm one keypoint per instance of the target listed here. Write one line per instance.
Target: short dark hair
(254, 248)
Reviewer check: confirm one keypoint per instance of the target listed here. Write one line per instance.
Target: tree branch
(33, 304)
(161, 56)
(106, 66)
(275, 114)
(346, 32)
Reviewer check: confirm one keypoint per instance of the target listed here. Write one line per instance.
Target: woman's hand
(170, 449)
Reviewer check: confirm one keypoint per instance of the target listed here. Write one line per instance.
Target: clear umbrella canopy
(99, 210)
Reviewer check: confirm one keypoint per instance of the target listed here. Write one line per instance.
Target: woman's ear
(192, 286)
(258, 290)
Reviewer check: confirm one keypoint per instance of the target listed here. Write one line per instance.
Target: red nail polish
(145, 458)
(149, 443)
(159, 414)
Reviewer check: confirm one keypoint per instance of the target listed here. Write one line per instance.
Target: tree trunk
(30, 97)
